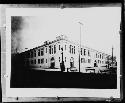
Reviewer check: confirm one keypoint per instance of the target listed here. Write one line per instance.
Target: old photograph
(73, 49)
(70, 48)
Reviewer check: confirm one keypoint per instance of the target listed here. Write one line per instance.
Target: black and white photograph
(68, 51)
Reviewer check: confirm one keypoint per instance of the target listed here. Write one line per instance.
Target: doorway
(71, 62)
(52, 65)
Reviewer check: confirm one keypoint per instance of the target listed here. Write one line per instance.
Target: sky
(100, 29)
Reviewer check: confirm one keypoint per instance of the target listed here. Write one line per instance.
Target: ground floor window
(35, 61)
(38, 61)
(59, 59)
(82, 60)
(89, 60)
(42, 61)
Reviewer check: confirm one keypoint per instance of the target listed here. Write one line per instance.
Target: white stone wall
(67, 55)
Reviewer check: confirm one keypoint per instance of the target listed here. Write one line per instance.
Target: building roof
(59, 38)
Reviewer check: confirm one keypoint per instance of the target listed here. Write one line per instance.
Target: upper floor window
(59, 47)
(38, 52)
(42, 52)
(46, 49)
(74, 49)
(54, 49)
(31, 54)
(65, 59)
(70, 48)
(46, 60)
(96, 55)
(98, 61)
(34, 53)
(100, 56)
(50, 49)
(84, 51)
(88, 53)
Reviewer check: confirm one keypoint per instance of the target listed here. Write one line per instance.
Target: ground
(30, 78)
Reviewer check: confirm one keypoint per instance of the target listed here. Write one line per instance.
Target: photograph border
(62, 6)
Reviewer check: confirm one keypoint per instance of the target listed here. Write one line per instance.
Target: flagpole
(80, 45)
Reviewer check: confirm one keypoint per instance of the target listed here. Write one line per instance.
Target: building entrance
(52, 63)
(95, 64)
(71, 62)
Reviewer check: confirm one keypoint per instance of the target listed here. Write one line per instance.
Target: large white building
(51, 54)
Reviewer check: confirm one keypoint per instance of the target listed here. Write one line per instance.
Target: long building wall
(41, 56)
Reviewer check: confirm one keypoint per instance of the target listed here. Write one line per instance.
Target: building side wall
(69, 55)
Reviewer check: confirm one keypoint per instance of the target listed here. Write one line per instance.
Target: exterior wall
(69, 56)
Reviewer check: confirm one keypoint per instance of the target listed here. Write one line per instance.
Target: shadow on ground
(22, 77)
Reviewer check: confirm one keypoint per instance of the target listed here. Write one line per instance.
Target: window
(50, 49)
(39, 52)
(88, 53)
(59, 59)
(46, 49)
(38, 61)
(74, 49)
(54, 49)
(42, 52)
(100, 56)
(34, 53)
(42, 60)
(59, 47)
(70, 48)
(31, 54)
(89, 60)
(96, 55)
(65, 59)
(35, 61)
(81, 51)
(84, 51)
(46, 60)
(98, 61)
(82, 60)
(65, 47)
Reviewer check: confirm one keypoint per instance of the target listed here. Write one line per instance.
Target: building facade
(51, 54)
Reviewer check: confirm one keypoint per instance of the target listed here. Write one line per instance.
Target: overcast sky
(100, 28)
